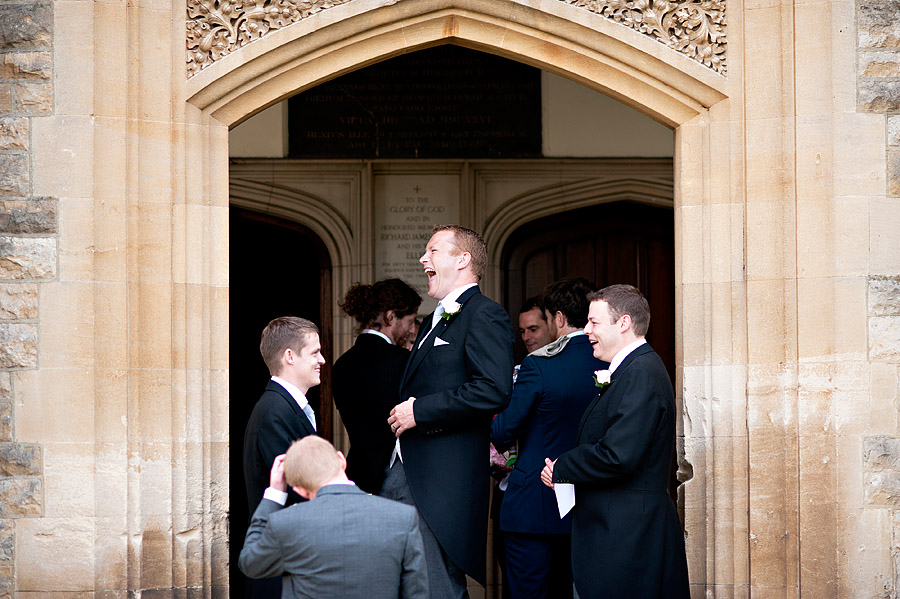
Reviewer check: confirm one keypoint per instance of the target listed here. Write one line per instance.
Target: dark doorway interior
(277, 268)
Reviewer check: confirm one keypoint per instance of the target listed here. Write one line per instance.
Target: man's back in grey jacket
(343, 544)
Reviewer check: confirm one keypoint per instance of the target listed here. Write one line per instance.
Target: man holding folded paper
(626, 537)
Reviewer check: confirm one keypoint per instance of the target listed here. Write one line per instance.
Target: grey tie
(307, 409)
(437, 315)
(434, 320)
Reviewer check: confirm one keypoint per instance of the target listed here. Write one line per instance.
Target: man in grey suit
(343, 544)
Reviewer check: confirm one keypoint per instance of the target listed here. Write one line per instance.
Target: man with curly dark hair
(366, 378)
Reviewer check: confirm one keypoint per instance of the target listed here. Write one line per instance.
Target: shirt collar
(296, 393)
(574, 334)
(454, 295)
(623, 353)
(379, 333)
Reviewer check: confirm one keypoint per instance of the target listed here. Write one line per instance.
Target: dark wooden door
(618, 242)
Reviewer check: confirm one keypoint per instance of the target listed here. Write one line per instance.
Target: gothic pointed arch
(555, 36)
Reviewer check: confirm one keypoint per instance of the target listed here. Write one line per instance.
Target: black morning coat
(626, 537)
(459, 384)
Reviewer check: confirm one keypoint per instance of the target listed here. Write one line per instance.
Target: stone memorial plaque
(406, 208)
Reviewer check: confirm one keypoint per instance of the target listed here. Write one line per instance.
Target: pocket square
(439, 341)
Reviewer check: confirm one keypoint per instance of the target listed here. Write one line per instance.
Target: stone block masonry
(878, 73)
(28, 255)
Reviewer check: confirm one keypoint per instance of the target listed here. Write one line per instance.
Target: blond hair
(310, 462)
(467, 240)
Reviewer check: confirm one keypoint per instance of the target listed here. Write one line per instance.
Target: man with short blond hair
(343, 543)
(457, 377)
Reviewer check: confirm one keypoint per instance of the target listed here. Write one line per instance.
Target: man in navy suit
(554, 386)
(626, 537)
(290, 347)
(458, 376)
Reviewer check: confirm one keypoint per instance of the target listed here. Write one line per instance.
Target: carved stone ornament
(693, 27)
(218, 27)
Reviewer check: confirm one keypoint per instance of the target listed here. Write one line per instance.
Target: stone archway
(557, 37)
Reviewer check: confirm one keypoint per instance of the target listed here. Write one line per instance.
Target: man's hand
(276, 476)
(547, 472)
(402, 417)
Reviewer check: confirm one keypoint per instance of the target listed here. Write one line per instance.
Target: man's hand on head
(276, 476)
(402, 417)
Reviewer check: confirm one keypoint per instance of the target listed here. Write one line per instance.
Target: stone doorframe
(601, 55)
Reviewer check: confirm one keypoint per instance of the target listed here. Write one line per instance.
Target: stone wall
(28, 253)
(878, 37)
(878, 71)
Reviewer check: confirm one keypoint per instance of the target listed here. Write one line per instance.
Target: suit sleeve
(414, 576)
(262, 556)
(488, 359)
(634, 414)
(511, 423)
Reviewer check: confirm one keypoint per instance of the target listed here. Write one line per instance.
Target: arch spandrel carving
(216, 28)
(569, 41)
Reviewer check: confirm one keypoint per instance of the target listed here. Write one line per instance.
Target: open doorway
(277, 268)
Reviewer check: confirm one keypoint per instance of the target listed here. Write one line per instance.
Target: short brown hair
(625, 299)
(282, 333)
(467, 240)
(310, 462)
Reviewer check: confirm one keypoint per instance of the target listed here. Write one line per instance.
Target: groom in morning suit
(626, 538)
(343, 543)
(290, 347)
(458, 376)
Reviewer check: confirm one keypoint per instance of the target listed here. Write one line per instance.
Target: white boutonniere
(451, 309)
(602, 378)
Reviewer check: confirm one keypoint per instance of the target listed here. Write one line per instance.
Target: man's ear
(389, 317)
(303, 492)
(626, 322)
(464, 259)
(343, 460)
(288, 356)
(559, 319)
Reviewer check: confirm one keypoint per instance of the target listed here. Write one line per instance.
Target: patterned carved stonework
(693, 27)
(218, 27)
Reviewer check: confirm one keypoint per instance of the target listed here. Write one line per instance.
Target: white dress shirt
(299, 397)
(623, 353)
(379, 333)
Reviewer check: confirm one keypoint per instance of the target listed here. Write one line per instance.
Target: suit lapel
(598, 403)
(418, 353)
(590, 410)
(295, 408)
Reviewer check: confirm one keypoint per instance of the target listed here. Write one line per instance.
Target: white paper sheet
(565, 497)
